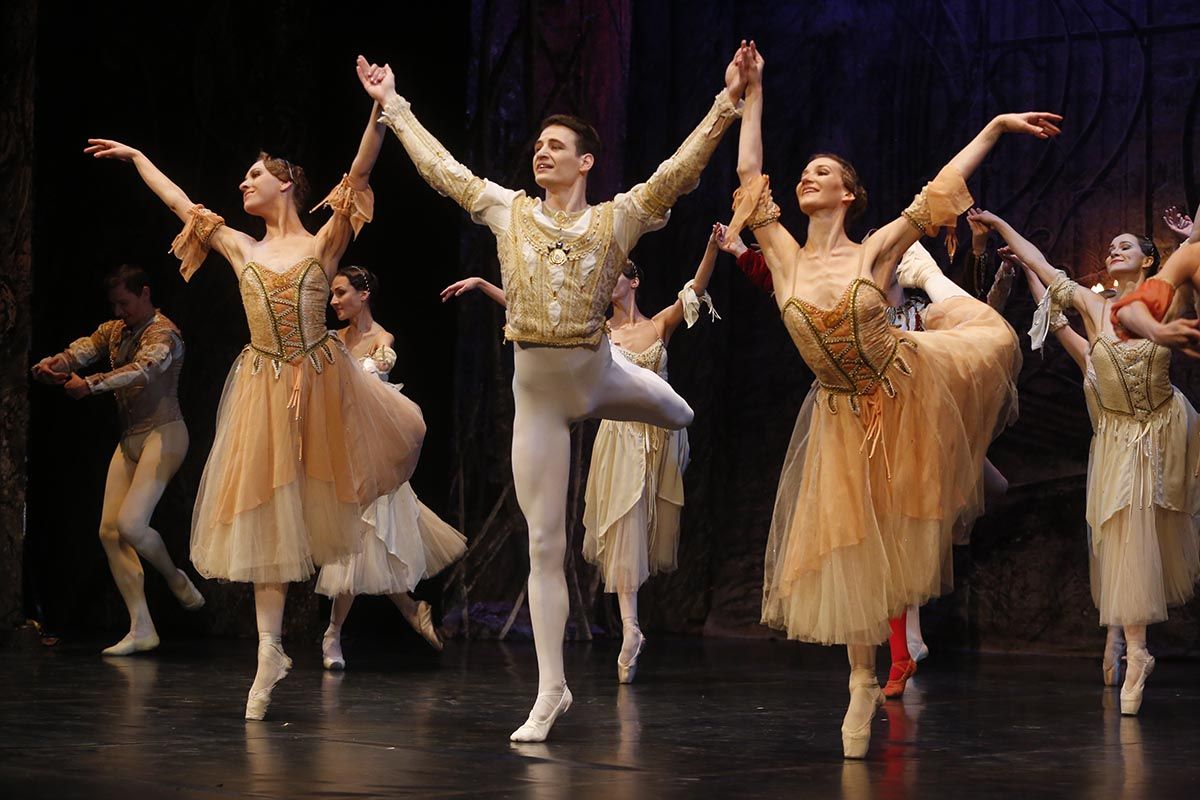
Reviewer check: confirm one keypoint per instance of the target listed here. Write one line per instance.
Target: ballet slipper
(627, 667)
(422, 623)
(132, 644)
(898, 677)
(331, 649)
(865, 698)
(536, 730)
(189, 596)
(1138, 666)
(273, 666)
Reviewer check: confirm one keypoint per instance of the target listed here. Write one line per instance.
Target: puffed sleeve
(357, 205)
(192, 244)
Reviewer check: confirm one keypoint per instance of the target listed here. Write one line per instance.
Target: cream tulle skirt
(407, 543)
(298, 457)
(633, 501)
(859, 536)
(1142, 506)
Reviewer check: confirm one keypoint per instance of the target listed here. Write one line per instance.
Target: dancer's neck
(570, 199)
(826, 233)
(626, 313)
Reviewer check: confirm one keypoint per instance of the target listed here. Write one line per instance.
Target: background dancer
(144, 352)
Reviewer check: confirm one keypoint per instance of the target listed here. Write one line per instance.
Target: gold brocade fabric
(1131, 378)
(558, 288)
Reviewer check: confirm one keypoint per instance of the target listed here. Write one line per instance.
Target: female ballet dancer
(145, 352)
(559, 261)
(305, 440)
(407, 542)
(905, 312)
(1142, 497)
(865, 516)
(634, 493)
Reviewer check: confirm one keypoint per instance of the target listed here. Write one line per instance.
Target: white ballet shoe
(626, 670)
(913, 273)
(274, 664)
(1138, 666)
(1114, 651)
(331, 651)
(864, 690)
(189, 596)
(536, 730)
(917, 650)
(422, 623)
(132, 644)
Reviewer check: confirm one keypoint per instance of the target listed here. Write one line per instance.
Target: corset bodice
(1130, 377)
(653, 358)
(286, 312)
(852, 346)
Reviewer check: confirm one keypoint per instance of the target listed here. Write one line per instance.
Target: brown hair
(132, 277)
(362, 279)
(852, 183)
(285, 171)
(586, 138)
(1149, 248)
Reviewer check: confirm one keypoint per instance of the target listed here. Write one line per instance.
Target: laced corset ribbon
(286, 314)
(851, 349)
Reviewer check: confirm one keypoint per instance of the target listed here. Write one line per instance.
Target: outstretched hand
(984, 219)
(735, 246)
(107, 148)
(737, 74)
(460, 287)
(379, 82)
(1042, 124)
(1178, 221)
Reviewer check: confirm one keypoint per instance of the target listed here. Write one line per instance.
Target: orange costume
(305, 441)
(886, 460)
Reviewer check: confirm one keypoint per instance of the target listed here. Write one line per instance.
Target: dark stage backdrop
(896, 87)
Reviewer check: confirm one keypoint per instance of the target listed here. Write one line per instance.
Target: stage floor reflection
(712, 718)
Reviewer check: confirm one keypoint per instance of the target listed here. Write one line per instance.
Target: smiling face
(557, 161)
(822, 186)
(347, 301)
(262, 191)
(1125, 257)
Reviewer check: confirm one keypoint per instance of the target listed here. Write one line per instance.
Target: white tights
(140, 469)
(553, 387)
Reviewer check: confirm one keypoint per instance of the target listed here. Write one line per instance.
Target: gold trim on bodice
(558, 287)
(651, 358)
(286, 314)
(1130, 378)
(854, 351)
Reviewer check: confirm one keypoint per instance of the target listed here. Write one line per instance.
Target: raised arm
(946, 196)
(230, 243)
(753, 206)
(352, 201)
(1141, 312)
(694, 292)
(486, 202)
(1181, 224)
(647, 205)
(1075, 345)
(459, 288)
(1088, 303)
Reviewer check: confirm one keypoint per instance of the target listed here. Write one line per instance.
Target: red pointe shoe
(898, 677)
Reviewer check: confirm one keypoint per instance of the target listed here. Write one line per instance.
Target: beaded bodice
(286, 313)
(850, 347)
(653, 358)
(1129, 377)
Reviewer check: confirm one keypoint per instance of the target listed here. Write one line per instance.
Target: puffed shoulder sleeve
(191, 246)
(940, 202)
(356, 205)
